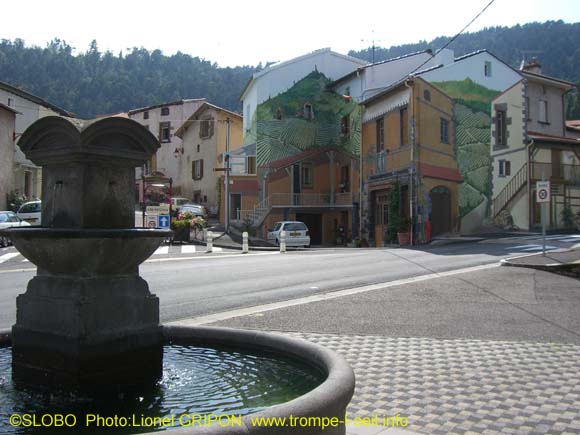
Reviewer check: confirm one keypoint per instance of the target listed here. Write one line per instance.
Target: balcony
(377, 164)
(310, 200)
(563, 173)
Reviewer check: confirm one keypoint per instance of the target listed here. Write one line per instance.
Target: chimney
(533, 66)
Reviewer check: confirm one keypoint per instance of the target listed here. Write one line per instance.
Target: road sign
(151, 221)
(542, 191)
(157, 209)
(164, 221)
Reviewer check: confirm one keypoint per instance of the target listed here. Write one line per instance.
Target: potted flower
(403, 233)
(181, 230)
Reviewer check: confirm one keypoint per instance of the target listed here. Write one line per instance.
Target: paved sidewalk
(494, 351)
(562, 262)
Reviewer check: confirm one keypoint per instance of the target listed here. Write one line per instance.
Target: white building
(282, 76)
(163, 120)
(481, 67)
(369, 80)
(27, 176)
(7, 122)
(530, 143)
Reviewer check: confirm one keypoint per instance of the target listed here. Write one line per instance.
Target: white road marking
(527, 248)
(188, 249)
(217, 317)
(162, 250)
(6, 257)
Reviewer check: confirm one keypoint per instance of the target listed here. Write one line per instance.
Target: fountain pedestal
(87, 319)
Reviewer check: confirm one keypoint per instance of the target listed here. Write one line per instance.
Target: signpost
(543, 198)
(164, 221)
(151, 221)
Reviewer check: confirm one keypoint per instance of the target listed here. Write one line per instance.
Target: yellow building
(408, 139)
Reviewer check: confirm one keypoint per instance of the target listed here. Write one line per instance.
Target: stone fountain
(87, 318)
(88, 321)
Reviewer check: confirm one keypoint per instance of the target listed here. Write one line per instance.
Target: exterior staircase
(518, 181)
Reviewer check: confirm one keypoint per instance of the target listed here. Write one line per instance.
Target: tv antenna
(373, 46)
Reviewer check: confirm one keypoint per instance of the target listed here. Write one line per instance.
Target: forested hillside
(94, 82)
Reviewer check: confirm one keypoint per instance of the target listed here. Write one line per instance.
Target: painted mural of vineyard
(473, 128)
(306, 116)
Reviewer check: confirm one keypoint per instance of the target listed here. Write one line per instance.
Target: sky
(247, 32)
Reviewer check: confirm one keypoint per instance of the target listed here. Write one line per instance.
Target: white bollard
(282, 241)
(209, 242)
(244, 242)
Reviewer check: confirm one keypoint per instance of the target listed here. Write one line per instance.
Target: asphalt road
(199, 284)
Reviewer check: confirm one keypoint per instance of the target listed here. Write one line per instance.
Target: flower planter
(182, 234)
(404, 238)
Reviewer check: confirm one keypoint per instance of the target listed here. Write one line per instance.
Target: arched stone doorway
(440, 197)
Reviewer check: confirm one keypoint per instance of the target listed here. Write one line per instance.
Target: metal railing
(560, 171)
(377, 163)
(509, 191)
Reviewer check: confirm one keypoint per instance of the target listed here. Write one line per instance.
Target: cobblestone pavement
(459, 386)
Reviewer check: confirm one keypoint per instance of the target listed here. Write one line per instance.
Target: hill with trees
(93, 82)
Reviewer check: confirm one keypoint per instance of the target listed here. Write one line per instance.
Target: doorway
(440, 210)
(314, 223)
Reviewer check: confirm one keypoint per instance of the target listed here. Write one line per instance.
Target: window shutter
(200, 169)
(211, 125)
(193, 170)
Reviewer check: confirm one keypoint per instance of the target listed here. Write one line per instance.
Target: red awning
(440, 172)
(245, 186)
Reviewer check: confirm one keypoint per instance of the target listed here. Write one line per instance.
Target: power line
(454, 38)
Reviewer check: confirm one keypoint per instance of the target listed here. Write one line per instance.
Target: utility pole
(227, 178)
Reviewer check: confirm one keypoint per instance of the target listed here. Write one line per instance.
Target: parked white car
(8, 219)
(30, 212)
(297, 233)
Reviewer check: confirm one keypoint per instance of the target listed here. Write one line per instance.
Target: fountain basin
(329, 399)
(87, 252)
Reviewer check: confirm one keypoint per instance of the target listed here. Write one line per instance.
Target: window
(347, 91)
(444, 130)
(164, 111)
(197, 169)
(198, 147)
(404, 126)
(504, 168)
(427, 95)
(27, 184)
(380, 135)
(500, 127)
(146, 114)
(344, 179)
(345, 125)
(10, 102)
(164, 132)
(307, 175)
(308, 112)
(543, 115)
(487, 68)
(528, 107)
(251, 165)
(206, 128)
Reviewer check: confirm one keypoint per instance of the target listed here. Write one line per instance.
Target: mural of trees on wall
(473, 128)
(306, 116)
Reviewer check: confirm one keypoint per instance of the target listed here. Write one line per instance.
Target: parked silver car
(297, 233)
(30, 212)
(8, 219)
